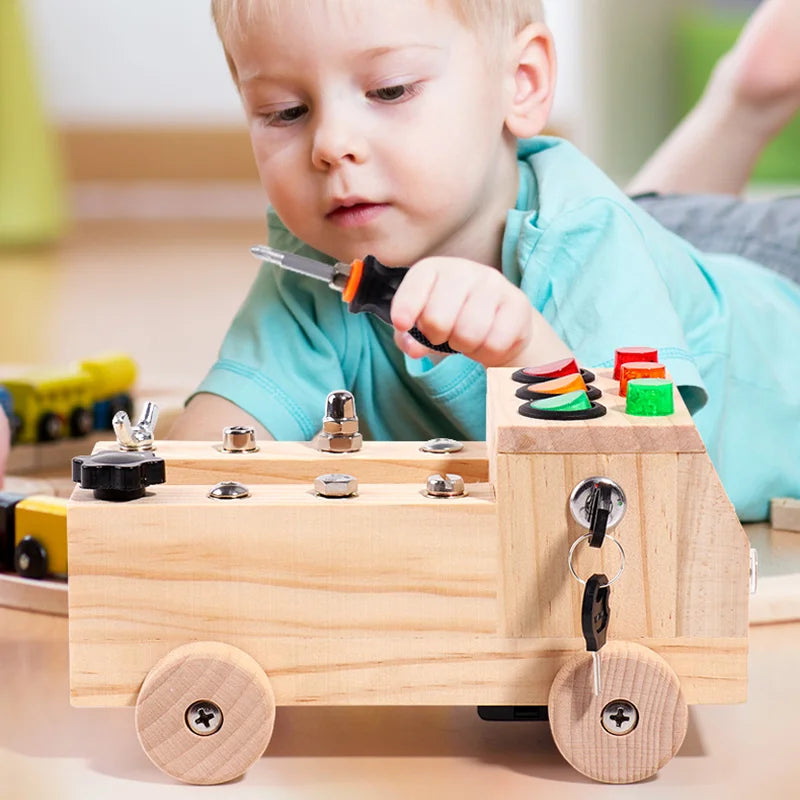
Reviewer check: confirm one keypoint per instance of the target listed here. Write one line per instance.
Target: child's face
(378, 127)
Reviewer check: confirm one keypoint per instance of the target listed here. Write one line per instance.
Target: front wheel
(636, 724)
(205, 713)
(30, 558)
(50, 427)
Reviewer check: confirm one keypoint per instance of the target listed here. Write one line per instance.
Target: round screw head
(448, 485)
(203, 717)
(442, 445)
(229, 490)
(620, 717)
(239, 439)
(335, 485)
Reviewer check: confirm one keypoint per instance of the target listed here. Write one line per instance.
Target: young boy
(405, 131)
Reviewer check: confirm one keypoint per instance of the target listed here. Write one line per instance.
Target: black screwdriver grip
(375, 292)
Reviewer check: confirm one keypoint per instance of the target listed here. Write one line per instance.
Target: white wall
(131, 61)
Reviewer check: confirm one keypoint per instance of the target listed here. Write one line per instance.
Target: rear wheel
(205, 713)
(636, 724)
(81, 422)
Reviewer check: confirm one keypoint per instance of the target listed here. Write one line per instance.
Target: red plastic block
(623, 355)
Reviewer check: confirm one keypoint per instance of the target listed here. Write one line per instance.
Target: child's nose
(337, 139)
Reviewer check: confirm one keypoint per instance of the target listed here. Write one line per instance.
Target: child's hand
(471, 306)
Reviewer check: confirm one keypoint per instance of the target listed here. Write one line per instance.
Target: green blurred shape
(31, 184)
(705, 36)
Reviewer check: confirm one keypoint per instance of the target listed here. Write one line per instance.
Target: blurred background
(128, 197)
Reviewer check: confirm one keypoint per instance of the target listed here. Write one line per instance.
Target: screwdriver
(365, 284)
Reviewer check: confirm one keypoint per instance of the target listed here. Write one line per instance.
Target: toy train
(33, 535)
(45, 406)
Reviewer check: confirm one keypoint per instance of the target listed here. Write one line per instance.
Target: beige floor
(164, 292)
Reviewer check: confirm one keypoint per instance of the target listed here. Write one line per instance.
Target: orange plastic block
(569, 383)
(639, 369)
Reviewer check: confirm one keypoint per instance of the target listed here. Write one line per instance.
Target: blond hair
(493, 17)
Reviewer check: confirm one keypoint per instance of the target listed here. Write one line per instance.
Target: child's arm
(477, 310)
(207, 414)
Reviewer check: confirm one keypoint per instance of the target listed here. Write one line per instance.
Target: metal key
(595, 614)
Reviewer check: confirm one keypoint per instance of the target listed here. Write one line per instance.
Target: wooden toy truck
(208, 613)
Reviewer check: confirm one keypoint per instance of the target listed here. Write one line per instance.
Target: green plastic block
(571, 401)
(650, 397)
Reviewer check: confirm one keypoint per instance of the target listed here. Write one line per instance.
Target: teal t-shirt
(604, 274)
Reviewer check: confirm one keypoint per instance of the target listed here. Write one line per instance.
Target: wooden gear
(392, 597)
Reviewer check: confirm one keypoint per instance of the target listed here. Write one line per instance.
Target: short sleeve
(288, 345)
(599, 285)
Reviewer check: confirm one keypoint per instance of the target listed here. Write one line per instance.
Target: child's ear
(531, 76)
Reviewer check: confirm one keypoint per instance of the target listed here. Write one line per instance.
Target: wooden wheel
(205, 713)
(633, 728)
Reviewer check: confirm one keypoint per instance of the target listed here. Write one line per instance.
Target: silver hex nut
(340, 432)
(448, 485)
(335, 485)
(239, 439)
(339, 443)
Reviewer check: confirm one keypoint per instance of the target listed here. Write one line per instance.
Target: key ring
(608, 538)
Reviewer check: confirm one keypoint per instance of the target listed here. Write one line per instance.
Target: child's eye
(284, 117)
(391, 94)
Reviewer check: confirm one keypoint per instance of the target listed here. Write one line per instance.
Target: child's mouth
(357, 214)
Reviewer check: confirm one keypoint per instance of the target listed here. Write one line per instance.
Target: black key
(598, 504)
(595, 613)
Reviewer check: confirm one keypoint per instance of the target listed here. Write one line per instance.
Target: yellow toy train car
(33, 535)
(44, 406)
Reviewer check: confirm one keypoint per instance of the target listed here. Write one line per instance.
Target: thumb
(409, 345)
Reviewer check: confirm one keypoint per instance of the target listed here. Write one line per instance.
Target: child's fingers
(412, 295)
(438, 317)
(474, 322)
(508, 334)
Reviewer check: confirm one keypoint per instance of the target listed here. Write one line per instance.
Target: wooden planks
(387, 670)
(301, 462)
(394, 597)
(687, 557)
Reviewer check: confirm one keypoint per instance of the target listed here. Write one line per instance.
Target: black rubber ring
(520, 377)
(526, 392)
(597, 410)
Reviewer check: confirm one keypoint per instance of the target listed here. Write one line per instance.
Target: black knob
(118, 475)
